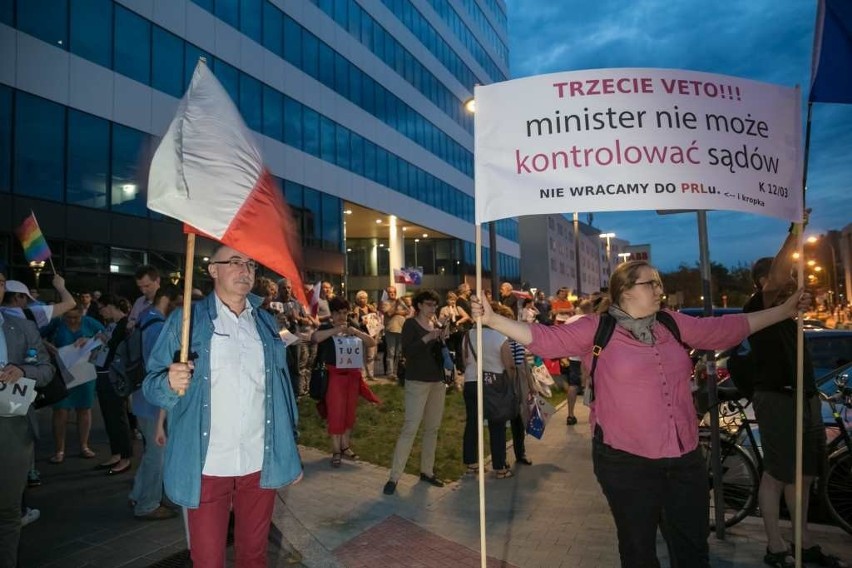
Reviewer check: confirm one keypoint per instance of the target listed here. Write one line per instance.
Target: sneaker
(33, 478)
(30, 516)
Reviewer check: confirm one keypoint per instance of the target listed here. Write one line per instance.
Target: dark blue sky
(764, 40)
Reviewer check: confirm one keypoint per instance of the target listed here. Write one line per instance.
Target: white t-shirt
(43, 314)
(490, 353)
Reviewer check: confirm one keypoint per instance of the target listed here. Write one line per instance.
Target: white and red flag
(208, 173)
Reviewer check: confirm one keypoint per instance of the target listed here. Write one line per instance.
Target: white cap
(18, 287)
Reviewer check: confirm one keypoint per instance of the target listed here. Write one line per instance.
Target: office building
(358, 109)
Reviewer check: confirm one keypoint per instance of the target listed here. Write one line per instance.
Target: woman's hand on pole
(480, 310)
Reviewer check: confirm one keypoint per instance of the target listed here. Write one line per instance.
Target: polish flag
(208, 173)
(314, 297)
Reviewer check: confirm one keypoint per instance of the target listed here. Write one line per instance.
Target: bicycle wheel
(837, 490)
(740, 482)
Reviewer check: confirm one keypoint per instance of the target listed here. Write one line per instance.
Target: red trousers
(208, 524)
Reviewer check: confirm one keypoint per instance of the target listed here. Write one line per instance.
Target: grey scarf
(641, 328)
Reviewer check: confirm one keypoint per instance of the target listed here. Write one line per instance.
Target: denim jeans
(148, 483)
(393, 351)
(646, 493)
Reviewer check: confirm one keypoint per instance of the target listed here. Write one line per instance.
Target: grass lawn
(378, 427)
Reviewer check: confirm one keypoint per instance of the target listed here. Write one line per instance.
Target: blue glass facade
(68, 156)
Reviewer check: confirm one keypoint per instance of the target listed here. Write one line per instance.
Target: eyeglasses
(237, 263)
(652, 283)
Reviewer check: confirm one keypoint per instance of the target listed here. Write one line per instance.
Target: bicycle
(742, 460)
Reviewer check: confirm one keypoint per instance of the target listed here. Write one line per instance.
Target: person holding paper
(645, 435)
(341, 347)
(231, 412)
(22, 354)
(73, 329)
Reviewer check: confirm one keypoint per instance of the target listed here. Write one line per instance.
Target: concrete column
(397, 251)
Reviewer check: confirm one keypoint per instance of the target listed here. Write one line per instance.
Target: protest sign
(349, 352)
(637, 139)
(15, 398)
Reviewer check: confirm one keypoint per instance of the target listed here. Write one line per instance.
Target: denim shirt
(189, 415)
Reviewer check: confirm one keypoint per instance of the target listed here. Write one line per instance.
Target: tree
(685, 284)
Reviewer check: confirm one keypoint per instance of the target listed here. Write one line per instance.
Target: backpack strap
(28, 313)
(606, 327)
(151, 322)
(669, 322)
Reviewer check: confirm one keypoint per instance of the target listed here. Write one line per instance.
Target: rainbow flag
(33, 241)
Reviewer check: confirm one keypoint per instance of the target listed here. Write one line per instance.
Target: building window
(250, 102)
(273, 101)
(251, 18)
(229, 12)
(132, 46)
(129, 171)
(272, 27)
(229, 76)
(88, 160)
(332, 235)
(167, 60)
(91, 32)
(39, 147)
(5, 139)
(45, 19)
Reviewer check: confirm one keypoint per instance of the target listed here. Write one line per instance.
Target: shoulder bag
(499, 399)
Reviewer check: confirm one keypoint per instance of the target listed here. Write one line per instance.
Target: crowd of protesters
(423, 342)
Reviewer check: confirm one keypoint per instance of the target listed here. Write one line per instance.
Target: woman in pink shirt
(645, 445)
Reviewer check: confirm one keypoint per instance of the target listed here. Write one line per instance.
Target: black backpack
(127, 369)
(741, 367)
(606, 327)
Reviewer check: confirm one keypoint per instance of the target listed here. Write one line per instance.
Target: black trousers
(496, 434)
(644, 493)
(116, 422)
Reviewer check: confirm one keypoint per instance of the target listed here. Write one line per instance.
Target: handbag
(499, 399)
(536, 425)
(500, 403)
(318, 385)
(52, 392)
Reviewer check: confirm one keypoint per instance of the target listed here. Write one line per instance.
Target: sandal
(349, 454)
(57, 458)
(815, 555)
(335, 459)
(87, 453)
(503, 473)
(783, 559)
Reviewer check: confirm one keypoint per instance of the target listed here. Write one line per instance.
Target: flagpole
(800, 355)
(480, 432)
(187, 301)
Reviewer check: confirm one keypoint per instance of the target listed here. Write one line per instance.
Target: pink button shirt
(643, 400)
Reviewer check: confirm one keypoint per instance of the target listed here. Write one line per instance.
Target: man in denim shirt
(232, 430)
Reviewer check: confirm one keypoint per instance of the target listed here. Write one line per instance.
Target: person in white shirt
(17, 299)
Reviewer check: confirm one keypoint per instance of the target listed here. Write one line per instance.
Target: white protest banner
(15, 398)
(349, 352)
(637, 139)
